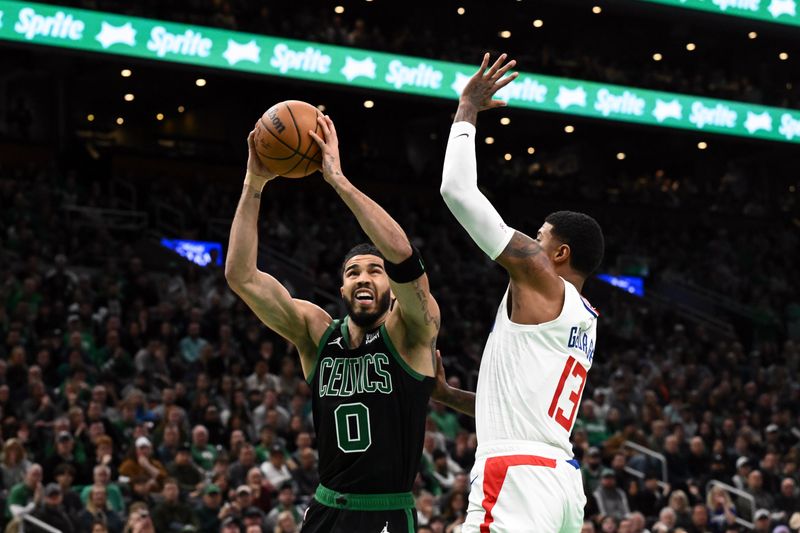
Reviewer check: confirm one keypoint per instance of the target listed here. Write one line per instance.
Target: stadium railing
(649, 453)
(43, 526)
(738, 492)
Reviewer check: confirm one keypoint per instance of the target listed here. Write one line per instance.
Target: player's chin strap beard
(367, 319)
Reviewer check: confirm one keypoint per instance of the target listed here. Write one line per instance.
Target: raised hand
(329, 144)
(257, 172)
(479, 91)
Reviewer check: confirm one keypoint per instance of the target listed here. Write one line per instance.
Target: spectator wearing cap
(610, 500)
(591, 470)
(51, 510)
(253, 516)
(98, 509)
(101, 475)
(286, 502)
(207, 512)
(242, 499)
(441, 471)
(184, 470)
(15, 462)
(142, 464)
(762, 521)
(717, 470)
(721, 508)
(64, 453)
(202, 452)
(743, 468)
(172, 514)
(231, 524)
(275, 469)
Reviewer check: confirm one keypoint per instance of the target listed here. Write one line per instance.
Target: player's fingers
(324, 125)
(331, 127)
(498, 103)
(484, 64)
(505, 68)
(505, 81)
(320, 141)
(496, 65)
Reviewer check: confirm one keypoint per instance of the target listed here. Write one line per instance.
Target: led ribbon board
(780, 11)
(210, 47)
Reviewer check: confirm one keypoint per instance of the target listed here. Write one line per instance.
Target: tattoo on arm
(422, 298)
(257, 195)
(522, 246)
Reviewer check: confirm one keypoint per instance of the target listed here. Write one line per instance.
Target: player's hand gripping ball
(282, 141)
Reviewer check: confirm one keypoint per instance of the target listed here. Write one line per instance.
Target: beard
(367, 318)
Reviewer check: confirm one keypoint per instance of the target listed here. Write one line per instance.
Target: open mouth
(364, 296)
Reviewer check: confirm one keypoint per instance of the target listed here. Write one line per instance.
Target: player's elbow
(235, 275)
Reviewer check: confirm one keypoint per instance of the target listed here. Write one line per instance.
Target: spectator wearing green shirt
(446, 421)
(192, 344)
(102, 476)
(23, 497)
(202, 452)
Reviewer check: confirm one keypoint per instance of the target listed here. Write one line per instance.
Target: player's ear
(562, 254)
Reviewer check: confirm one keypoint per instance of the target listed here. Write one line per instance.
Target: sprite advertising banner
(209, 47)
(781, 11)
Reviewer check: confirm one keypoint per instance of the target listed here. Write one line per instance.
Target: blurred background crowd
(137, 389)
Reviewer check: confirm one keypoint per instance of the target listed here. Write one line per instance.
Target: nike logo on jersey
(461, 135)
(471, 481)
(338, 342)
(372, 336)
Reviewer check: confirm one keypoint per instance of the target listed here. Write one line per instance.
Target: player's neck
(576, 279)
(357, 333)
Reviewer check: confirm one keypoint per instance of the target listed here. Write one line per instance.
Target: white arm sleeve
(460, 192)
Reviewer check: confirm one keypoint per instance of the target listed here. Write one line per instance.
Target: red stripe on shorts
(494, 474)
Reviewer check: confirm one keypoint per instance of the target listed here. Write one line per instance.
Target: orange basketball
(282, 140)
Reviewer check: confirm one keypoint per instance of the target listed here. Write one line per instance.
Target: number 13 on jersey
(574, 368)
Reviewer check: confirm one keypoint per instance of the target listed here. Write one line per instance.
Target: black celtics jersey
(369, 413)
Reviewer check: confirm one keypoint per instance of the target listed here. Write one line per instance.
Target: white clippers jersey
(532, 376)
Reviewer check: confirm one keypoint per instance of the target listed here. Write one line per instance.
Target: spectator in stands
(788, 501)
(51, 511)
(183, 469)
(139, 520)
(71, 501)
(172, 514)
(15, 463)
(101, 475)
(237, 472)
(98, 510)
(679, 502)
(610, 500)
(306, 476)
(141, 464)
(24, 496)
(207, 512)
(755, 488)
(286, 523)
(762, 521)
(723, 511)
(699, 522)
(286, 503)
(202, 452)
(275, 470)
(261, 489)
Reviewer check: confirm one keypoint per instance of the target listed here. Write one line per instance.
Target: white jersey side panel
(532, 376)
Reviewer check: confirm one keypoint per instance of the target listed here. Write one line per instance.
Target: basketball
(282, 140)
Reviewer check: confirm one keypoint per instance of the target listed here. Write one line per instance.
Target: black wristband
(407, 271)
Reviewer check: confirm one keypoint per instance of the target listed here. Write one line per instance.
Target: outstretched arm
(519, 254)
(419, 311)
(298, 321)
(460, 400)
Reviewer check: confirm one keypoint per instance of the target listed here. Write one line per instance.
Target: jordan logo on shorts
(385, 528)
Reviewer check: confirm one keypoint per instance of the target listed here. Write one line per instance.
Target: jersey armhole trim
(410, 371)
(320, 346)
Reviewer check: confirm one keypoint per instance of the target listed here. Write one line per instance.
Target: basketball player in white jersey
(534, 366)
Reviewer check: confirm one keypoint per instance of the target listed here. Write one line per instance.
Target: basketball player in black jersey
(371, 373)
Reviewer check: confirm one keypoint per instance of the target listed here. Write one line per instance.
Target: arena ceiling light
(125, 73)
(657, 57)
(702, 145)
(569, 128)
(507, 157)
(129, 97)
(783, 56)
(120, 121)
(200, 82)
(531, 150)
(181, 109)
(461, 10)
(489, 140)
(505, 121)
(159, 116)
(369, 104)
(505, 34)
(690, 47)
(597, 10)
(538, 23)
(752, 35)
(620, 156)
(338, 9)
(90, 117)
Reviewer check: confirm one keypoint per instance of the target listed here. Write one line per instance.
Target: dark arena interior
(139, 392)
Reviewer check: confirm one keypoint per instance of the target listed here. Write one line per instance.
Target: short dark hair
(584, 237)
(365, 248)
